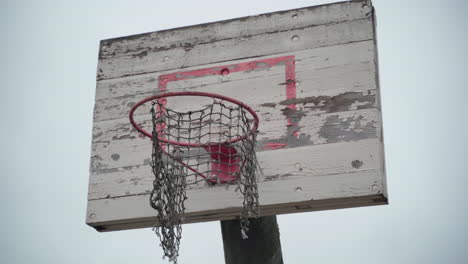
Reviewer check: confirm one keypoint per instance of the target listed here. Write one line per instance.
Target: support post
(263, 245)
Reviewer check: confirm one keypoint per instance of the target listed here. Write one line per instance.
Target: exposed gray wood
(262, 247)
(326, 71)
(307, 161)
(115, 147)
(314, 160)
(218, 198)
(316, 64)
(247, 26)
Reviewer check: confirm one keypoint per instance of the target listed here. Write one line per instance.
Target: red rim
(203, 94)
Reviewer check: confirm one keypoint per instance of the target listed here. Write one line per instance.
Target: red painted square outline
(290, 79)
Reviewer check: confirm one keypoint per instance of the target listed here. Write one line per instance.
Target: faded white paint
(307, 161)
(248, 26)
(329, 61)
(151, 56)
(202, 204)
(133, 150)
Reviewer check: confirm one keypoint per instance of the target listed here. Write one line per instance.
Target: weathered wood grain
(240, 47)
(247, 26)
(328, 72)
(233, 213)
(318, 64)
(311, 118)
(259, 93)
(204, 203)
(122, 147)
(306, 161)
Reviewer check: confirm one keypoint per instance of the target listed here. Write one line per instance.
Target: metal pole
(263, 245)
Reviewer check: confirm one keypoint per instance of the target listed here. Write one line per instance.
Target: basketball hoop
(213, 144)
(222, 150)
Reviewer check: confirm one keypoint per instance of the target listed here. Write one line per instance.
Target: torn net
(213, 145)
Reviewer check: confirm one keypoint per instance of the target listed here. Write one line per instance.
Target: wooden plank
(116, 148)
(307, 161)
(218, 199)
(311, 64)
(253, 46)
(313, 124)
(228, 213)
(259, 93)
(246, 26)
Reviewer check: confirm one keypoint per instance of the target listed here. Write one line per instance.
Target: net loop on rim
(211, 145)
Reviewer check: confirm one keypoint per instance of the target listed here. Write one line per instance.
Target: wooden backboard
(310, 74)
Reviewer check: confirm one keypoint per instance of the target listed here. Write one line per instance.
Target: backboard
(310, 74)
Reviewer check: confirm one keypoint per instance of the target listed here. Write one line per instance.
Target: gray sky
(49, 57)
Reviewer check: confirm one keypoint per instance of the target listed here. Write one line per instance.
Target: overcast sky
(49, 56)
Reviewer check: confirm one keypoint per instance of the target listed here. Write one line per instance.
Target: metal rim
(203, 94)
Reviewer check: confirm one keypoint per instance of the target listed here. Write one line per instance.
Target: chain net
(213, 145)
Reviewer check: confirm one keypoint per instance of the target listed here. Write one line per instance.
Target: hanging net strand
(211, 145)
